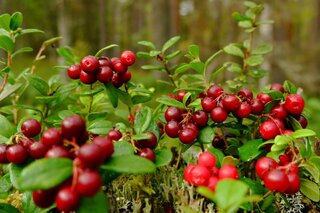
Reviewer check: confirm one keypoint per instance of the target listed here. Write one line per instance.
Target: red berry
(279, 112)
(147, 153)
(294, 104)
(105, 144)
(88, 183)
(43, 198)
(214, 171)
(187, 172)
(87, 78)
(114, 135)
(180, 95)
(127, 58)
(147, 143)
(243, 111)
(207, 159)
(67, 199)
(214, 91)
(172, 129)
(89, 64)
(283, 160)
(25, 142)
(16, 154)
(199, 176)
(200, 117)
(230, 102)
(212, 182)
(264, 98)
(245, 93)
(277, 180)
(172, 113)
(91, 155)
(51, 136)
(73, 127)
(116, 80)
(218, 114)
(104, 62)
(303, 121)
(74, 71)
(125, 77)
(277, 86)
(188, 135)
(37, 150)
(294, 183)
(3, 155)
(105, 74)
(269, 130)
(279, 124)
(292, 168)
(256, 106)
(287, 131)
(31, 127)
(114, 59)
(228, 171)
(208, 104)
(218, 142)
(119, 67)
(58, 152)
(264, 165)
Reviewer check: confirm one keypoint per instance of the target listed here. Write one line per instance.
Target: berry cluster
(103, 69)
(146, 146)
(205, 173)
(281, 177)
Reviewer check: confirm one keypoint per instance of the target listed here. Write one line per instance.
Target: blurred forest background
(86, 26)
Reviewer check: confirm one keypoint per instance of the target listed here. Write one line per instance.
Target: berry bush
(95, 144)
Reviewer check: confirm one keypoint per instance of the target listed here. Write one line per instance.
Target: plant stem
(130, 112)
(90, 100)
(179, 157)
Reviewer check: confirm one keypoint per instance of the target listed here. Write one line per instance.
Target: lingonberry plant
(75, 147)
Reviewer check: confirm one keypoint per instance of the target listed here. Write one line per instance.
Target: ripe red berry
(172, 129)
(243, 111)
(37, 150)
(105, 144)
(88, 183)
(188, 135)
(264, 98)
(16, 154)
(287, 131)
(277, 180)
(31, 128)
(199, 176)
(207, 159)
(294, 104)
(256, 106)
(74, 71)
(279, 124)
(25, 142)
(73, 127)
(214, 171)
(214, 91)
(200, 117)
(279, 112)
(125, 77)
(218, 142)
(264, 165)
(218, 114)
(3, 155)
(283, 160)
(230, 102)
(58, 152)
(147, 153)
(172, 113)
(212, 182)
(127, 58)
(119, 67)
(180, 95)
(67, 199)
(105, 74)
(269, 130)
(208, 104)
(277, 86)
(147, 143)
(52, 136)
(89, 64)
(87, 78)
(294, 183)
(187, 172)
(114, 135)
(303, 121)
(91, 155)
(43, 198)
(228, 171)
(104, 62)
(245, 93)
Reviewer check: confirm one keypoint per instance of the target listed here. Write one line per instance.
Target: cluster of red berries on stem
(206, 173)
(103, 69)
(281, 177)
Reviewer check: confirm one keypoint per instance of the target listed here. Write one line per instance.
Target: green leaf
(245, 24)
(295, 124)
(45, 173)
(172, 55)
(152, 67)
(283, 139)
(142, 120)
(97, 203)
(255, 185)
(163, 157)
(29, 206)
(239, 17)
(290, 87)
(218, 154)
(5, 208)
(170, 102)
(269, 106)
(122, 148)
(206, 135)
(197, 66)
(182, 68)
(124, 97)
(39, 84)
(16, 20)
(100, 127)
(138, 99)
(312, 169)
(8, 90)
(22, 50)
(303, 133)
(257, 73)
(6, 43)
(172, 41)
(5, 183)
(51, 41)
(233, 49)
(129, 164)
(15, 172)
(275, 94)
(144, 55)
(250, 150)
(217, 73)
(147, 44)
(67, 54)
(6, 128)
(154, 53)
(262, 49)
(310, 189)
(194, 50)
(5, 21)
(112, 94)
(27, 31)
(234, 67)
(250, 4)
(255, 60)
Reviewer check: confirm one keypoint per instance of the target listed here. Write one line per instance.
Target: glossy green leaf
(5, 183)
(154, 53)
(112, 94)
(6, 128)
(255, 185)
(152, 67)
(216, 73)
(257, 73)
(122, 148)
(7, 208)
(183, 68)
(295, 124)
(145, 55)
(172, 55)
(310, 190)
(218, 154)
(289, 87)
(245, 24)
(276, 148)
(6, 43)
(194, 50)
(97, 203)
(39, 84)
(303, 133)
(206, 135)
(5, 21)
(16, 20)
(234, 67)
(275, 94)
(22, 50)
(312, 169)
(255, 60)
(262, 49)
(27, 31)
(233, 49)
(45, 173)
(283, 139)
(100, 127)
(163, 157)
(138, 99)
(129, 164)
(197, 66)
(142, 120)
(15, 173)
(124, 97)
(147, 44)
(239, 17)
(250, 150)
(170, 102)
(172, 41)
(67, 54)
(269, 106)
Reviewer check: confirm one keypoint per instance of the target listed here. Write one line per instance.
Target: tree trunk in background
(175, 17)
(102, 24)
(160, 21)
